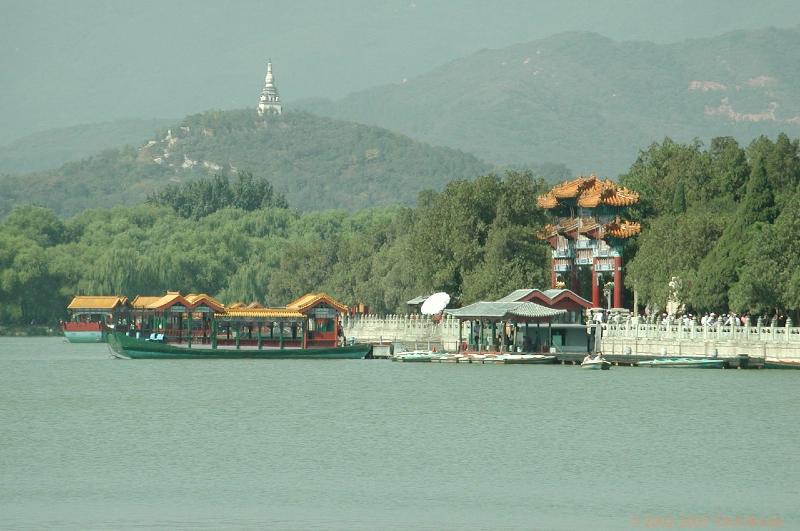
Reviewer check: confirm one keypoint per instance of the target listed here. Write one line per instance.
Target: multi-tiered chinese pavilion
(587, 232)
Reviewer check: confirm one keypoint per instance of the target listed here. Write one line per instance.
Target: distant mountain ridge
(317, 162)
(52, 148)
(590, 102)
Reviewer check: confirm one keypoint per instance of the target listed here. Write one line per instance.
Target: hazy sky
(80, 61)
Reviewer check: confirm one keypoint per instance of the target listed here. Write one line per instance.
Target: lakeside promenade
(621, 340)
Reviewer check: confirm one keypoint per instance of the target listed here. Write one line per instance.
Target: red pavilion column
(618, 289)
(595, 286)
(553, 273)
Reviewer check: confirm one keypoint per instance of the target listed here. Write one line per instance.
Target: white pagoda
(270, 101)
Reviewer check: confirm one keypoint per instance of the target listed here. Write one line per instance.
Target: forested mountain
(52, 148)
(315, 162)
(591, 102)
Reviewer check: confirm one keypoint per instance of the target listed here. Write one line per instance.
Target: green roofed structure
(505, 326)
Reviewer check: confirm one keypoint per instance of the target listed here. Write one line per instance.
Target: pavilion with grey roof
(507, 316)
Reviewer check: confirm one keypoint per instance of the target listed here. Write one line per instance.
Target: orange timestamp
(704, 521)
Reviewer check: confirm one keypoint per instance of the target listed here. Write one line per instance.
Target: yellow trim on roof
(262, 313)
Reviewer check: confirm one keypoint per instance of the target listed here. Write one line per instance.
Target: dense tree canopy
(721, 219)
(475, 240)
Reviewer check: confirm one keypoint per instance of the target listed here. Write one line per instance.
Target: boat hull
(596, 365)
(85, 332)
(125, 347)
(525, 359)
(773, 363)
(683, 364)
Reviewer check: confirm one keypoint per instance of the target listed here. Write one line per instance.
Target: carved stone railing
(693, 339)
(672, 332)
(411, 330)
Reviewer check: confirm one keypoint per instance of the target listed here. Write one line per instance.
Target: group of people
(714, 319)
(598, 356)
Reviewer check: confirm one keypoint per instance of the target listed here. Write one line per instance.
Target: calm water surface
(87, 442)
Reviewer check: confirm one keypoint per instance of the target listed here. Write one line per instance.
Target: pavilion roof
(623, 229)
(589, 192)
(546, 297)
(97, 302)
(312, 299)
(590, 227)
(505, 310)
(417, 300)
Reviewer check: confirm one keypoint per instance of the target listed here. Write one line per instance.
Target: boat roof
(200, 299)
(261, 313)
(312, 299)
(97, 302)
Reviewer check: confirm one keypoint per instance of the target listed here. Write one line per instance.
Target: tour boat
(513, 359)
(85, 332)
(777, 363)
(596, 364)
(684, 363)
(126, 347)
(93, 317)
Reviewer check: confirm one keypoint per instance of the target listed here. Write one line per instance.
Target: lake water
(88, 442)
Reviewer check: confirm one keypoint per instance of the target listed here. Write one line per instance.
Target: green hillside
(590, 102)
(315, 162)
(52, 148)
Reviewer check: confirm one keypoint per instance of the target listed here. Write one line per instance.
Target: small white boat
(597, 364)
(416, 356)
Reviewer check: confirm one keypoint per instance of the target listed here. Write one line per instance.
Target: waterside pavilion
(588, 231)
(505, 326)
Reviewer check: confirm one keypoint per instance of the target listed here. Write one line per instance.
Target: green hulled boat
(778, 363)
(125, 347)
(684, 363)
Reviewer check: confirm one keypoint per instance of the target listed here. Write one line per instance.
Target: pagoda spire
(270, 101)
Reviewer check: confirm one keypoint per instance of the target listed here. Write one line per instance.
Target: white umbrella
(435, 303)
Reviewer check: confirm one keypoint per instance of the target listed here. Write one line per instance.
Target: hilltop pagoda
(587, 232)
(270, 101)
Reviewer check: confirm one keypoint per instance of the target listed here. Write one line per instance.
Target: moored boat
(684, 363)
(533, 359)
(598, 364)
(123, 346)
(89, 332)
(92, 317)
(777, 363)
(416, 356)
